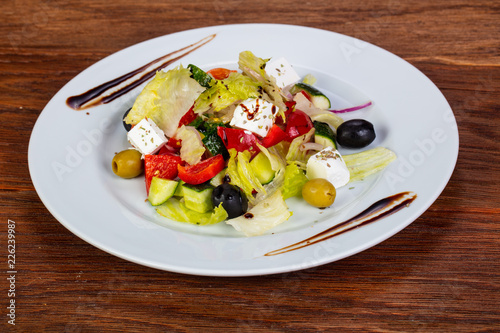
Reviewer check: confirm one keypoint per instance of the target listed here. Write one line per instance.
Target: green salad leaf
(166, 99)
(176, 210)
(295, 153)
(368, 162)
(265, 215)
(254, 67)
(192, 148)
(224, 93)
(295, 179)
(309, 79)
(242, 175)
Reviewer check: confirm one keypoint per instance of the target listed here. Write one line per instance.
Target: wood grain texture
(440, 274)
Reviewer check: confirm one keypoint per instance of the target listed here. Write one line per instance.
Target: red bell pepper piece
(290, 107)
(188, 118)
(238, 139)
(220, 73)
(161, 166)
(242, 140)
(174, 143)
(168, 150)
(297, 124)
(172, 147)
(274, 136)
(201, 172)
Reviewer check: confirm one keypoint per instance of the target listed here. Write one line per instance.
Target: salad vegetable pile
(233, 145)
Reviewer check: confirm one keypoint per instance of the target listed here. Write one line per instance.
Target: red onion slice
(355, 108)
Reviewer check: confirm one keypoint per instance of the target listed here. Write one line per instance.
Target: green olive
(127, 163)
(319, 192)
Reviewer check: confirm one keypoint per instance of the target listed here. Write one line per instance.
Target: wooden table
(440, 274)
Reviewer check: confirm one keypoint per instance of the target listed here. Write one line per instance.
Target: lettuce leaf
(165, 99)
(309, 79)
(192, 148)
(368, 162)
(232, 169)
(295, 179)
(265, 215)
(295, 153)
(176, 210)
(224, 93)
(278, 164)
(241, 174)
(254, 67)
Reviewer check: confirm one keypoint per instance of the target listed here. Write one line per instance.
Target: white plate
(70, 154)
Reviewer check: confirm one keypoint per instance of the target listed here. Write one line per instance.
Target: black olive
(233, 200)
(128, 127)
(355, 133)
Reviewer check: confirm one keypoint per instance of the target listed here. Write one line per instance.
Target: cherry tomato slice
(297, 124)
(220, 73)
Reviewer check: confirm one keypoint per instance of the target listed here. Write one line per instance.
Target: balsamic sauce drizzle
(375, 212)
(96, 96)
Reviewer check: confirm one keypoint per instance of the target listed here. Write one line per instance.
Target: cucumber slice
(198, 198)
(219, 178)
(178, 190)
(200, 76)
(317, 97)
(324, 135)
(262, 168)
(161, 190)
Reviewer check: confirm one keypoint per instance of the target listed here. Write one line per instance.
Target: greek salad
(233, 145)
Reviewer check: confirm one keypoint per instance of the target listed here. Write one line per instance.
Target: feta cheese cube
(254, 115)
(330, 165)
(282, 71)
(146, 137)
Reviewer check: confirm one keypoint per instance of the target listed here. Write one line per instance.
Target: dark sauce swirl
(375, 212)
(97, 95)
